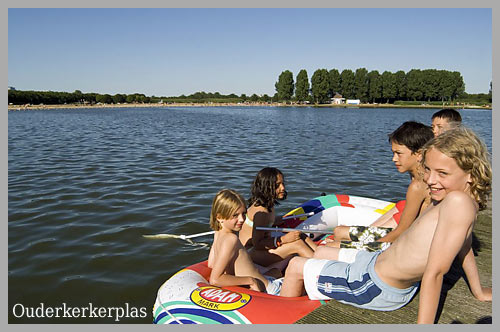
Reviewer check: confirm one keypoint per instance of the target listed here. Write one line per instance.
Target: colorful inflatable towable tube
(188, 298)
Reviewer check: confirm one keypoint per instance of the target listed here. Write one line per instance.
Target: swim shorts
(367, 234)
(354, 283)
(274, 285)
(369, 246)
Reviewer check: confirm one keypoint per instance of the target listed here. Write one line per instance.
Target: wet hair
(225, 203)
(449, 114)
(471, 155)
(263, 191)
(412, 134)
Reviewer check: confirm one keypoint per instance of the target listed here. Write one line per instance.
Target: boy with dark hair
(444, 120)
(407, 142)
(458, 174)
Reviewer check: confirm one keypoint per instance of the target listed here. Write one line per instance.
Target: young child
(458, 173)
(268, 187)
(407, 142)
(230, 263)
(444, 120)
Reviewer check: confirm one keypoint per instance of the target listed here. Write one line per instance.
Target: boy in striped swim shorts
(458, 174)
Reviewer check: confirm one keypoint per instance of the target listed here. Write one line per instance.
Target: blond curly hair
(471, 155)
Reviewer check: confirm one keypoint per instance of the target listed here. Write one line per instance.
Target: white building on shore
(337, 99)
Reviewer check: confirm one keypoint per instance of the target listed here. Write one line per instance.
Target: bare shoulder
(228, 240)
(455, 198)
(262, 217)
(460, 205)
(418, 187)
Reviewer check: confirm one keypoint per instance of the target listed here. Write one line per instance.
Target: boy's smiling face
(443, 175)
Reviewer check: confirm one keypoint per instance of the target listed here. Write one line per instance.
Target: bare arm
(472, 273)
(414, 199)
(456, 217)
(262, 239)
(225, 256)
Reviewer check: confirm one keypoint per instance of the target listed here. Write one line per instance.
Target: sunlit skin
(265, 251)
(440, 125)
(280, 187)
(443, 175)
(404, 159)
(230, 262)
(235, 223)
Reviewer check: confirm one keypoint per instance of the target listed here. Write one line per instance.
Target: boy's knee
(340, 233)
(294, 266)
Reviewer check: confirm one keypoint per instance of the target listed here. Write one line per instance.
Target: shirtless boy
(230, 263)
(458, 173)
(406, 142)
(267, 188)
(444, 120)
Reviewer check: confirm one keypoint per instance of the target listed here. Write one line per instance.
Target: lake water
(86, 184)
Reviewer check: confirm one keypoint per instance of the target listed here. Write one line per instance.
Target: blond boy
(458, 173)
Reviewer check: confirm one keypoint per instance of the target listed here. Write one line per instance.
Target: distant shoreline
(135, 105)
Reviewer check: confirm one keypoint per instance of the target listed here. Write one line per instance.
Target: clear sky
(169, 52)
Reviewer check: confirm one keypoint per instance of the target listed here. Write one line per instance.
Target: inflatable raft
(188, 298)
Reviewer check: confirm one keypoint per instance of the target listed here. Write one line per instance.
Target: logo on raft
(215, 298)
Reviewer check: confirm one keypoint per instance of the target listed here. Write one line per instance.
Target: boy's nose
(429, 178)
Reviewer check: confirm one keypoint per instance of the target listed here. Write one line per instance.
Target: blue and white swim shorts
(354, 283)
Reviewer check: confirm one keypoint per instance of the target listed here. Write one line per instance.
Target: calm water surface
(86, 184)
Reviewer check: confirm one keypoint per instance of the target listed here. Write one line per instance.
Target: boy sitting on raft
(444, 120)
(406, 142)
(267, 188)
(230, 263)
(458, 174)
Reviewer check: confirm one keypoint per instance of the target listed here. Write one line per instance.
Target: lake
(86, 184)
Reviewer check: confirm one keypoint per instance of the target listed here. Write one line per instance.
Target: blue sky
(169, 52)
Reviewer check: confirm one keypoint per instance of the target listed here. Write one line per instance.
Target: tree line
(416, 86)
(371, 87)
(20, 97)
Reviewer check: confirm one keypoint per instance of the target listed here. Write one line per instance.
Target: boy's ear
(419, 155)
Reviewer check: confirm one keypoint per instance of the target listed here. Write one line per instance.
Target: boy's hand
(290, 237)
(486, 295)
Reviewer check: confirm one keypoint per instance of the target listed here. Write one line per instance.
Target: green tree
(347, 83)
(284, 86)
(302, 86)
(430, 84)
(459, 85)
(389, 89)
(401, 89)
(374, 86)
(361, 84)
(334, 82)
(320, 86)
(415, 85)
(105, 99)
